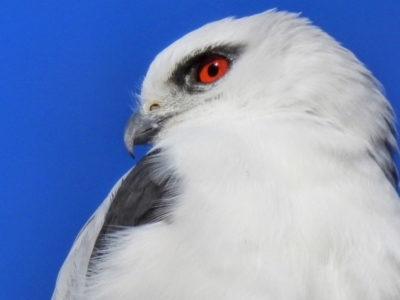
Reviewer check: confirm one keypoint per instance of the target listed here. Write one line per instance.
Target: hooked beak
(141, 129)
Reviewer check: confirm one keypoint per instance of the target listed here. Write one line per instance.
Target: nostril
(154, 106)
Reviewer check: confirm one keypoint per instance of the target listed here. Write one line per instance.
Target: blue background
(67, 71)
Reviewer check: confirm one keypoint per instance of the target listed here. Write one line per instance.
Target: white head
(277, 63)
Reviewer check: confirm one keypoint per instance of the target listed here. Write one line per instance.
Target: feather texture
(286, 176)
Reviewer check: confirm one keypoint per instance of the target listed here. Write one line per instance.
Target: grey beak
(140, 130)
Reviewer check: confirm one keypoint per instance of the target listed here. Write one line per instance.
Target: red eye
(212, 69)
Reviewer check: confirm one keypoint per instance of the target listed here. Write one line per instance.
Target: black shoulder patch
(385, 160)
(138, 201)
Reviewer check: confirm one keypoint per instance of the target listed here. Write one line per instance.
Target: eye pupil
(213, 69)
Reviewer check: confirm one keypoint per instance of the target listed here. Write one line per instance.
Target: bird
(270, 175)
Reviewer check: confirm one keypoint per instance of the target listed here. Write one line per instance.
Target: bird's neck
(295, 195)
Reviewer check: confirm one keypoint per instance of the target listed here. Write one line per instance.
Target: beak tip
(131, 152)
(130, 148)
(129, 145)
(140, 130)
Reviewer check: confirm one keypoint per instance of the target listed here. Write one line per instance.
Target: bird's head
(268, 64)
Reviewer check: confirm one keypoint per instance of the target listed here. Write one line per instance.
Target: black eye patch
(185, 75)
